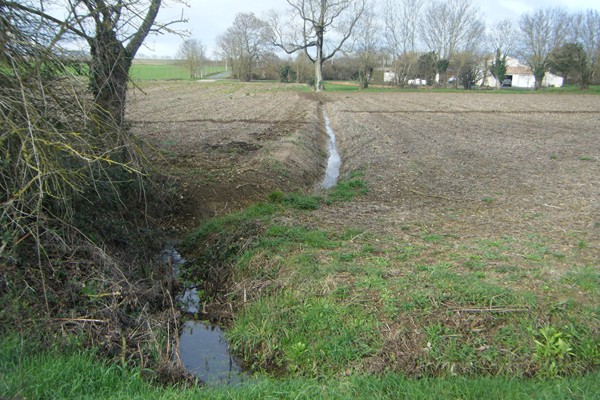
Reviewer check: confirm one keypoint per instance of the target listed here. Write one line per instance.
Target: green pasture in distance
(166, 70)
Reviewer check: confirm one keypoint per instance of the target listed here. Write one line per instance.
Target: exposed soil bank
(229, 144)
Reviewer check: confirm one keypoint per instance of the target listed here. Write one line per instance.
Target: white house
(389, 76)
(521, 76)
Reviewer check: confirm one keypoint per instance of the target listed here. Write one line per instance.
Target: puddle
(203, 349)
(204, 352)
(332, 172)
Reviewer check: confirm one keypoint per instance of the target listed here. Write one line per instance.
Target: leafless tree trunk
(114, 31)
(541, 31)
(501, 40)
(113, 55)
(367, 47)
(585, 29)
(192, 54)
(310, 27)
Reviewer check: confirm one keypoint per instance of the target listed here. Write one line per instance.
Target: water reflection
(203, 349)
(334, 161)
(205, 353)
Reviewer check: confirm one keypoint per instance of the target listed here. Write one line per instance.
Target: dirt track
(470, 164)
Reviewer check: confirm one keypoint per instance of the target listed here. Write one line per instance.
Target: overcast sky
(209, 18)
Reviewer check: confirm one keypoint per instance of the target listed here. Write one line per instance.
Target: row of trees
(422, 39)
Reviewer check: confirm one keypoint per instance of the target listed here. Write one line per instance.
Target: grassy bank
(31, 373)
(319, 303)
(348, 313)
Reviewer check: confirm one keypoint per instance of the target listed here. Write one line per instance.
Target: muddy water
(332, 172)
(203, 348)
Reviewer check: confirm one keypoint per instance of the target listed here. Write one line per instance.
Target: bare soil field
(476, 164)
(481, 224)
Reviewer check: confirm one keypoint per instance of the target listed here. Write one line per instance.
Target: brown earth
(229, 144)
(472, 164)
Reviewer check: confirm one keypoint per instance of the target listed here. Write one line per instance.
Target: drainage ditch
(334, 161)
(203, 348)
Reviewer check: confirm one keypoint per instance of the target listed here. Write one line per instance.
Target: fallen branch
(493, 310)
(100, 321)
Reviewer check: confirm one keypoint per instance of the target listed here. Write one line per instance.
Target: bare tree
(57, 169)
(114, 30)
(243, 43)
(450, 26)
(367, 47)
(193, 55)
(402, 25)
(542, 31)
(304, 68)
(585, 30)
(502, 36)
(320, 28)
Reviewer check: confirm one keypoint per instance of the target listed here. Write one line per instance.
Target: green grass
(38, 373)
(303, 335)
(476, 305)
(166, 70)
(574, 89)
(350, 312)
(351, 86)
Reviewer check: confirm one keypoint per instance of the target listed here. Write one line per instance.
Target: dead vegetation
(77, 216)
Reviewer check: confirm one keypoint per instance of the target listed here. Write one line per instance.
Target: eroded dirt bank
(230, 144)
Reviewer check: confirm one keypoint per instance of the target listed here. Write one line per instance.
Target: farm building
(389, 76)
(521, 76)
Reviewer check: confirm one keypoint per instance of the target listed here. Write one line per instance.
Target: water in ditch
(204, 352)
(203, 348)
(334, 161)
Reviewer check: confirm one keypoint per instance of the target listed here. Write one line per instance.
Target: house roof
(519, 70)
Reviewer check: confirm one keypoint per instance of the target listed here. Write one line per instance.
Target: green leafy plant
(552, 351)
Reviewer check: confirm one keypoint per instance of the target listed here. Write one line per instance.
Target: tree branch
(137, 40)
(65, 24)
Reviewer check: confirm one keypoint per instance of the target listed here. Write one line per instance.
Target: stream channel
(334, 161)
(203, 348)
